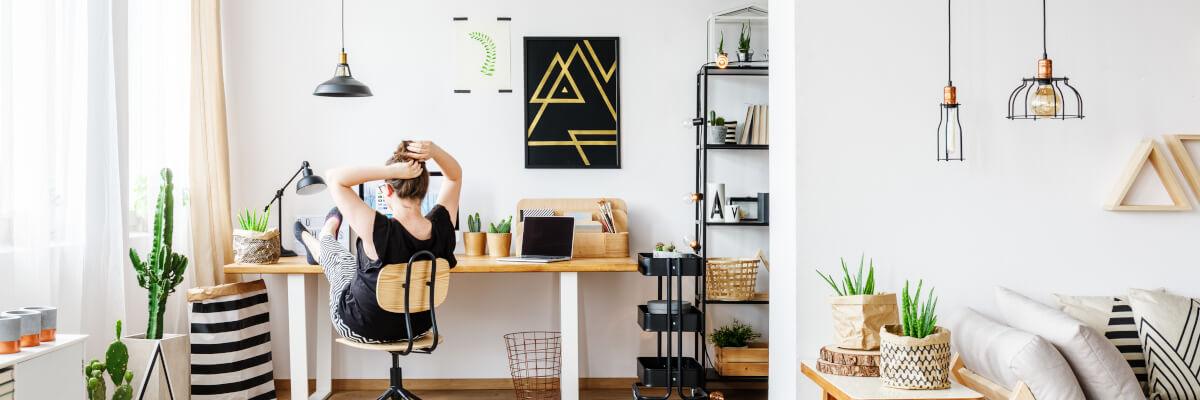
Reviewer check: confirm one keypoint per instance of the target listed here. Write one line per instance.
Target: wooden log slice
(846, 370)
(860, 358)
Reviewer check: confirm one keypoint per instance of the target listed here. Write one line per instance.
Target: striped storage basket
(231, 342)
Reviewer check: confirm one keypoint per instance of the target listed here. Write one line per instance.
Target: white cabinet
(53, 370)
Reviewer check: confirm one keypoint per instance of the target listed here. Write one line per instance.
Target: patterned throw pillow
(1113, 316)
(1169, 328)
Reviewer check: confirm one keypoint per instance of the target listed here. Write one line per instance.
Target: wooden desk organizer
(587, 244)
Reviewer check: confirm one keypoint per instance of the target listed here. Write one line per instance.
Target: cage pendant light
(343, 83)
(1043, 96)
(949, 132)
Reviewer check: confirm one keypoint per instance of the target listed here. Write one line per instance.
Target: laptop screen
(548, 236)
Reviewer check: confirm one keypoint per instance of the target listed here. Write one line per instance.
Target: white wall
(1024, 210)
(276, 52)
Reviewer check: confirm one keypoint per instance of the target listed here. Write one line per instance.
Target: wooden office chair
(407, 288)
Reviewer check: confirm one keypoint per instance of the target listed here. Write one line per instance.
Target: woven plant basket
(731, 278)
(250, 247)
(911, 363)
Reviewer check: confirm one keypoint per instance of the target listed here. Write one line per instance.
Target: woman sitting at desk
(352, 305)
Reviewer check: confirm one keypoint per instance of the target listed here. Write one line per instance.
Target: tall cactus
(163, 269)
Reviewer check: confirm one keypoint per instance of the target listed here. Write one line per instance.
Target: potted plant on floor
(116, 359)
(716, 128)
(915, 355)
(473, 238)
(744, 52)
(162, 362)
(736, 354)
(499, 238)
(858, 312)
(254, 243)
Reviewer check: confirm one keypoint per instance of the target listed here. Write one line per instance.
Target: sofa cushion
(1113, 316)
(1102, 371)
(1169, 327)
(1006, 355)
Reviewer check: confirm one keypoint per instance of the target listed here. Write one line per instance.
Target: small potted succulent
(474, 238)
(254, 243)
(915, 354)
(859, 312)
(499, 238)
(666, 251)
(744, 52)
(716, 128)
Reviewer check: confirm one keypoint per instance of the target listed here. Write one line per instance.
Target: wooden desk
(298, 271)
(836, 387)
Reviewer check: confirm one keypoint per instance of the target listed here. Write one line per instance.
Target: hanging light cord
(1044, 30)
(949, 82)
(343, 26)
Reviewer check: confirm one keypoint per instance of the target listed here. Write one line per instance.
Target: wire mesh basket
(535, 361)
(731, 278)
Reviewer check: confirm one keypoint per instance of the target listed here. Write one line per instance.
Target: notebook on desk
(545, 240)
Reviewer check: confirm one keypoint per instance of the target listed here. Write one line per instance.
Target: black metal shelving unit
(672, 369)
(702, 225)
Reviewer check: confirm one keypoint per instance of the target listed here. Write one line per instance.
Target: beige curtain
(212, 230)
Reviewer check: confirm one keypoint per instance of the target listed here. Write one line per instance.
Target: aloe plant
(855, 286)
(918, 323)
(116, 359)
(744, 39)
(474, 224)
(504, 227)
(251, 220)
(721, 44)
(163, 269)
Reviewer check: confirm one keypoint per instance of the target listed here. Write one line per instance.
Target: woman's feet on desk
(333, 222)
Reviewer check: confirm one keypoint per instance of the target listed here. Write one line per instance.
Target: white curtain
(80, 155)
(61, 236)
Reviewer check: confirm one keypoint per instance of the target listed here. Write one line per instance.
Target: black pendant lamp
(1042, 97)
(949, 130)
(343, 83)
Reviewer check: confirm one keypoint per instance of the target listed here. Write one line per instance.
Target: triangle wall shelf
(1149, 151)
(1184, 160)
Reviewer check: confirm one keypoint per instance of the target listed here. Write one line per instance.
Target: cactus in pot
(163, 269)
(499, 238)
(473, 238)
(116, 359)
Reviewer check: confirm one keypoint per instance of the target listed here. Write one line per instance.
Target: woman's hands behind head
(420, 150)
(406, 169)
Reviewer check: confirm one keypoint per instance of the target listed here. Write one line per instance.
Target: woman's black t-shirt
(359, 309)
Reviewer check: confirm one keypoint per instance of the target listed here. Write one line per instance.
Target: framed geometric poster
(572, 102)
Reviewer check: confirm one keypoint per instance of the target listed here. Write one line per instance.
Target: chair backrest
(389, 289)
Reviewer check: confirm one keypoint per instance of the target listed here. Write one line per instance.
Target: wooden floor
(592, 394)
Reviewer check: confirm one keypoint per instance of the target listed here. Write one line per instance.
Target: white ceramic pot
(154, 362)
(716, 134)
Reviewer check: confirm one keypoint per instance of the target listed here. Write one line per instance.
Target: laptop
(546, 240)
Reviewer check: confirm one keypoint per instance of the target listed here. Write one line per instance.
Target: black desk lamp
(309, 184)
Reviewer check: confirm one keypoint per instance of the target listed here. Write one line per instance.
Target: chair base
(398, 394)
(397, 390)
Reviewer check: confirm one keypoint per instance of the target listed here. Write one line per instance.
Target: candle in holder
(31, 327)
(10, 334)
(49, 322)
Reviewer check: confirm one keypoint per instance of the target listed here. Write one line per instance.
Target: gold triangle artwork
(1184, 160)
(1150, 151)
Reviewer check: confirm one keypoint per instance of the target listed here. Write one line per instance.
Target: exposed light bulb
(1045, 102)
(952, 133)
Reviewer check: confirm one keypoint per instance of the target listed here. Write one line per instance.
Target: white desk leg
(568, 298)
(298, 336)
(324, 359)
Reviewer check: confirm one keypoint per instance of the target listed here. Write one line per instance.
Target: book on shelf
(755, 130)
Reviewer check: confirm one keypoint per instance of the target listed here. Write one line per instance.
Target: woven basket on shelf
(731, 278)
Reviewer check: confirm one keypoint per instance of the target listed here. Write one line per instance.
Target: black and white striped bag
(231, 342)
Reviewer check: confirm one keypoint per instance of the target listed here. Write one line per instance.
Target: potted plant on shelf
(716, 128)
(116, 359)
(744, 52)
(159, 274)
(858, 312)
(915, 355)
(736, 354)
(254, 243)
(499, 239)
(722, 58)
(473, 238)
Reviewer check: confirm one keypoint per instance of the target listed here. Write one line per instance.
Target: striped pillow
(1113, 316)
(231, 342)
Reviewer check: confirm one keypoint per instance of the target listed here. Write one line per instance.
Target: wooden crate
(749, 361)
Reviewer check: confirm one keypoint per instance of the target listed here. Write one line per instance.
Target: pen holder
(10, 334)
(49, 322)
(31, 326)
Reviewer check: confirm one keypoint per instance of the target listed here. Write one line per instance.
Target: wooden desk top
(466, 264)
(865, 388)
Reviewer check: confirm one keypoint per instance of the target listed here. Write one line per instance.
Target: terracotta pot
(474, 242)
(857, 319)
(911, 363)
(498, 244)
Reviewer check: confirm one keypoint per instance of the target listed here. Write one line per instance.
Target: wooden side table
(836, 387)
